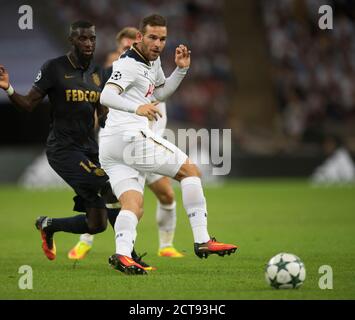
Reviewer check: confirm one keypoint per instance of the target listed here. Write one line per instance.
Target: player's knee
(134, 205)
(188, 169)
(98, 227)
(167, 197)
(96, 219)
(197, 172)
(132, 201)
(135, 208)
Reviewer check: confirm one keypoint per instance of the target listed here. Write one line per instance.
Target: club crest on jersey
(116, 75)
(39, 76)
(99, 172)
(96, 79)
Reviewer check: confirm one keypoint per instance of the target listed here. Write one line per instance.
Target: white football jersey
(137, 78)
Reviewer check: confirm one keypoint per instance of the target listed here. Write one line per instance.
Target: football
(285, 271)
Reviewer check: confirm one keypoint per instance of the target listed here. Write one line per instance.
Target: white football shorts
(127, 160)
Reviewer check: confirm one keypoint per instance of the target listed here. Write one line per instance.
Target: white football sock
(125, 232)
(166, 219)
(87, 238)
(195, 206)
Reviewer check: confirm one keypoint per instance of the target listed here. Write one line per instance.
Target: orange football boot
(125, 264)
(203, 250)
(48, 244)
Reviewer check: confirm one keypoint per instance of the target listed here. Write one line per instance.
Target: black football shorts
(82, 171)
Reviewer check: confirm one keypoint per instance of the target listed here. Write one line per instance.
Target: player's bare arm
(27, 102)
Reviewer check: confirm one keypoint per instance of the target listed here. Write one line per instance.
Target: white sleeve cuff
(112, 99)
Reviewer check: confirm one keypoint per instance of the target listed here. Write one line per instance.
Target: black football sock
(134, 254)
(77, 224)
(112, 215)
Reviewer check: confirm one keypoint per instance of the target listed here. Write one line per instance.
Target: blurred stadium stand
(260, 67)
(313, 70)
(24, 51)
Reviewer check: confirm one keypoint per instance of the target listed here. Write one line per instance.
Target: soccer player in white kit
(160, 186)
(129, 149)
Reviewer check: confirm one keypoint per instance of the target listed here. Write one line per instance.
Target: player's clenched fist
(149, 110)
(182, 56)
(4, 78)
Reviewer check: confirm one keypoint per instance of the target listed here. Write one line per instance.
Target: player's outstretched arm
(183, 61)
(111, 98)
(28, 102)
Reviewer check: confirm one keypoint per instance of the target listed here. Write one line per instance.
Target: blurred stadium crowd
(313, 69)
(203, 100)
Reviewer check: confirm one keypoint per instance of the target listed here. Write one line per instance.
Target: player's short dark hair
(154, 20)
(79, 24)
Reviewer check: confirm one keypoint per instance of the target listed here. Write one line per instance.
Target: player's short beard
(144, 49)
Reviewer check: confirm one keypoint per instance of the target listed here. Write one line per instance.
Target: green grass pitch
(262, 217)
